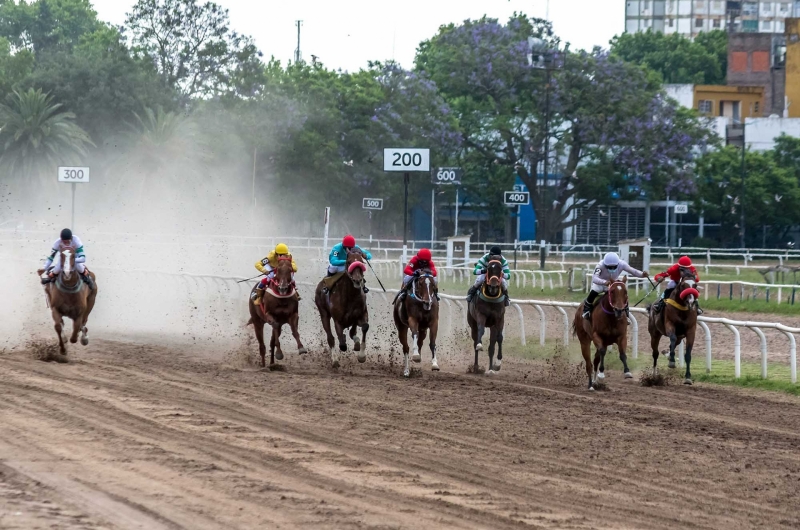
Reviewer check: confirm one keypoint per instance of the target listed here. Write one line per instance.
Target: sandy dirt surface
(131, 435)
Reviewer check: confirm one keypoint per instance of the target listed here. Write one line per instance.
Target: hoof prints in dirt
(45, 351)
(479, 371)
(648, 379)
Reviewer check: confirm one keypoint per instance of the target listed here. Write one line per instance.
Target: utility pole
(297, 55)
(744, 175)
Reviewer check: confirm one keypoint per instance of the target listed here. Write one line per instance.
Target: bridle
(427, 303)
(615, 287)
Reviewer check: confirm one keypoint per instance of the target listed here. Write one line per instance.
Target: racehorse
(487, 310)
(608, 325)
(676, 320)
(346, 304)
(279, 306)
(69, 296)
(419, 312)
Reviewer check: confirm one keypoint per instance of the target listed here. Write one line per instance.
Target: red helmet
(424, 254)
(685, 261)
(349, 241)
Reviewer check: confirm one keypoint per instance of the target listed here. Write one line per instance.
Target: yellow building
(793, 66)
(733, 102)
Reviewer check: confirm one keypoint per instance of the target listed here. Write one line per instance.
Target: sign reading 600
(73, 174)
(447, 175)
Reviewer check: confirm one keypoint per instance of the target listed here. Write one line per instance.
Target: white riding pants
(333, 269)
(596, 287)
(407, 278)
(80, 267)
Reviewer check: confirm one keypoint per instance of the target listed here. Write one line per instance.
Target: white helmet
(611, 260)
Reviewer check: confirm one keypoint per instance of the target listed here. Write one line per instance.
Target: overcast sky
(348, 33)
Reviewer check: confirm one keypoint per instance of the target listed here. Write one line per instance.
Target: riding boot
(88, 279)
(45, 281)
(507, 299)
(628, 311)
(471, 293)
(587, 309)
(259, 295)
(325, 290)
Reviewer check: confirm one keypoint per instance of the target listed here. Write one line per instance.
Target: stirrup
(366, 289)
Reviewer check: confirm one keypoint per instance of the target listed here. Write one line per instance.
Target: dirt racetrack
(129, 435)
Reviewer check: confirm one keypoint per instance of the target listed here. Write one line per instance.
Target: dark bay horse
(69, 296)
(419, 312)
(487, 310)
(608, 325)
(279, 306)
(347, 306)
(676, 320)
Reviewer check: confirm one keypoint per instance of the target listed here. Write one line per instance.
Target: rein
(606, 301)
(66, 288)
(414, 295)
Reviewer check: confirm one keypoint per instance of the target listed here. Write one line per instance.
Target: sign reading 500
(73, 174)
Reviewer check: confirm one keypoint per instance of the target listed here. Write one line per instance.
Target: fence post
(737, 351)
(763, 351)
(521, 324)
(635, 341)
(542, 325)
(708, 344)
(566, 324)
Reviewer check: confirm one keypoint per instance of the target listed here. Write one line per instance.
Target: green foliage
(192, 46)
(36, 136)
(14, 67)
(677, 59)
(47, 25)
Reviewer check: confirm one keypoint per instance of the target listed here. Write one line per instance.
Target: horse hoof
(601, 375)
(362, 357)
(497, 364)
(628, 375)
(73, 340)
(356, 346)
(591, 388)
(490, 372)
(434, 366)
(416, 357)
(687, 381)
(279, 356)
(85, 341)
(406, 373)
(479, 347)
(672, 364)
(302, 351)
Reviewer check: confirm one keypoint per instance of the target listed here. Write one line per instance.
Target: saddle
(330, 281)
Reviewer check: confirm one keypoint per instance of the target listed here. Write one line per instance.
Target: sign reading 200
(399, 159)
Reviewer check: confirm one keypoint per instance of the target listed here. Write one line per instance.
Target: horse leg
(355, 339)
(296, 334)
(258, 326)
(413, 325)
(622, 344)
(474, 330)
(655, 338)
(341, 336)
(688, 356)
(59, 327)
(326, 325)
(673, 343)
(85, 332)
(276, 334)
(498, 363)
(362, 354)
(599, 357)
(421, 339)
(432, 343)
(77, 325)
(402, 333)
(586, 351)
(492, 344)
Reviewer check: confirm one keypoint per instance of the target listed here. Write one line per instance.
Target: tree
(191, 45)
(14, 67)
(771, 201)
(606, 123)
(36, 136)
(677, 59)
(47, 25)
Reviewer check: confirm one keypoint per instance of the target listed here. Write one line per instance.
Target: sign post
(405, 161)
(74, 176)
(370, 205)
(327, 222)
(440, 176)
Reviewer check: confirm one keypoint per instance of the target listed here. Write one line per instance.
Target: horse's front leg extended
(413, 325)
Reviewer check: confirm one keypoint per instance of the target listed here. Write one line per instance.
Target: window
(671, 22)
(766, 25)
(700, 4)
(705, 106)
(698, 22)
(784, 7)
(738, 62)
(749, 8)
(646, 5)
(760, 61)
(766, 7)
(756, 108)
(717, 23)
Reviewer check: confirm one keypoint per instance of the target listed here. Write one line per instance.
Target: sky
(347, 34)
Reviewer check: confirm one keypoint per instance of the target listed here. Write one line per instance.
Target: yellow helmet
(282, 249)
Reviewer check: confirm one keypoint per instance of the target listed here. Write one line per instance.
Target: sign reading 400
(405, 160)
(73, 174)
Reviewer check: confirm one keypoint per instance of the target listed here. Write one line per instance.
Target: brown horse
(69, 296)
(608, 325)
(676, 320)
(279, 306)
(487, 310)
(346, 304)
(419, 312)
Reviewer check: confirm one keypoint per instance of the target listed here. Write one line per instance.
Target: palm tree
(36, 136)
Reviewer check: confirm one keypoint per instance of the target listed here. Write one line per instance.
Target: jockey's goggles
(611, 267)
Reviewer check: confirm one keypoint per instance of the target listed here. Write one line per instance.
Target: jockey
(606, 273)
(674, 274)
(338, 257)
(67, 241)
(423, 260)
(267, 267)
(480, 272)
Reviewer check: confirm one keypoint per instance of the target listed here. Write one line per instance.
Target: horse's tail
(249, 322)
(574, 328)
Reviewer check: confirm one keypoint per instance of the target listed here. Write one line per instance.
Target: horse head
(356, 268)
(494, 275)
(67, 263)
(618, 296)
(283, 275)
(686, 289)
(423, 289)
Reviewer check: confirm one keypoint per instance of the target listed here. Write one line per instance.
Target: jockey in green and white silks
(480, 272)
(52, 266)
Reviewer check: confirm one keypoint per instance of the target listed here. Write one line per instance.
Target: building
(692, 17)
(732, 102)
(759, 59)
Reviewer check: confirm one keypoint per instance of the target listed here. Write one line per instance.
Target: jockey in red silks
(421, 262)
(674, 274)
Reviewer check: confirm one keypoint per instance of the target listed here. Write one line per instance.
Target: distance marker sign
(371, 204)
(447, 175)
(73, 174)
(517, 198)
(406, 160)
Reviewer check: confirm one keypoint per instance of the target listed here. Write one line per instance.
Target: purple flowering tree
(608, 126)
